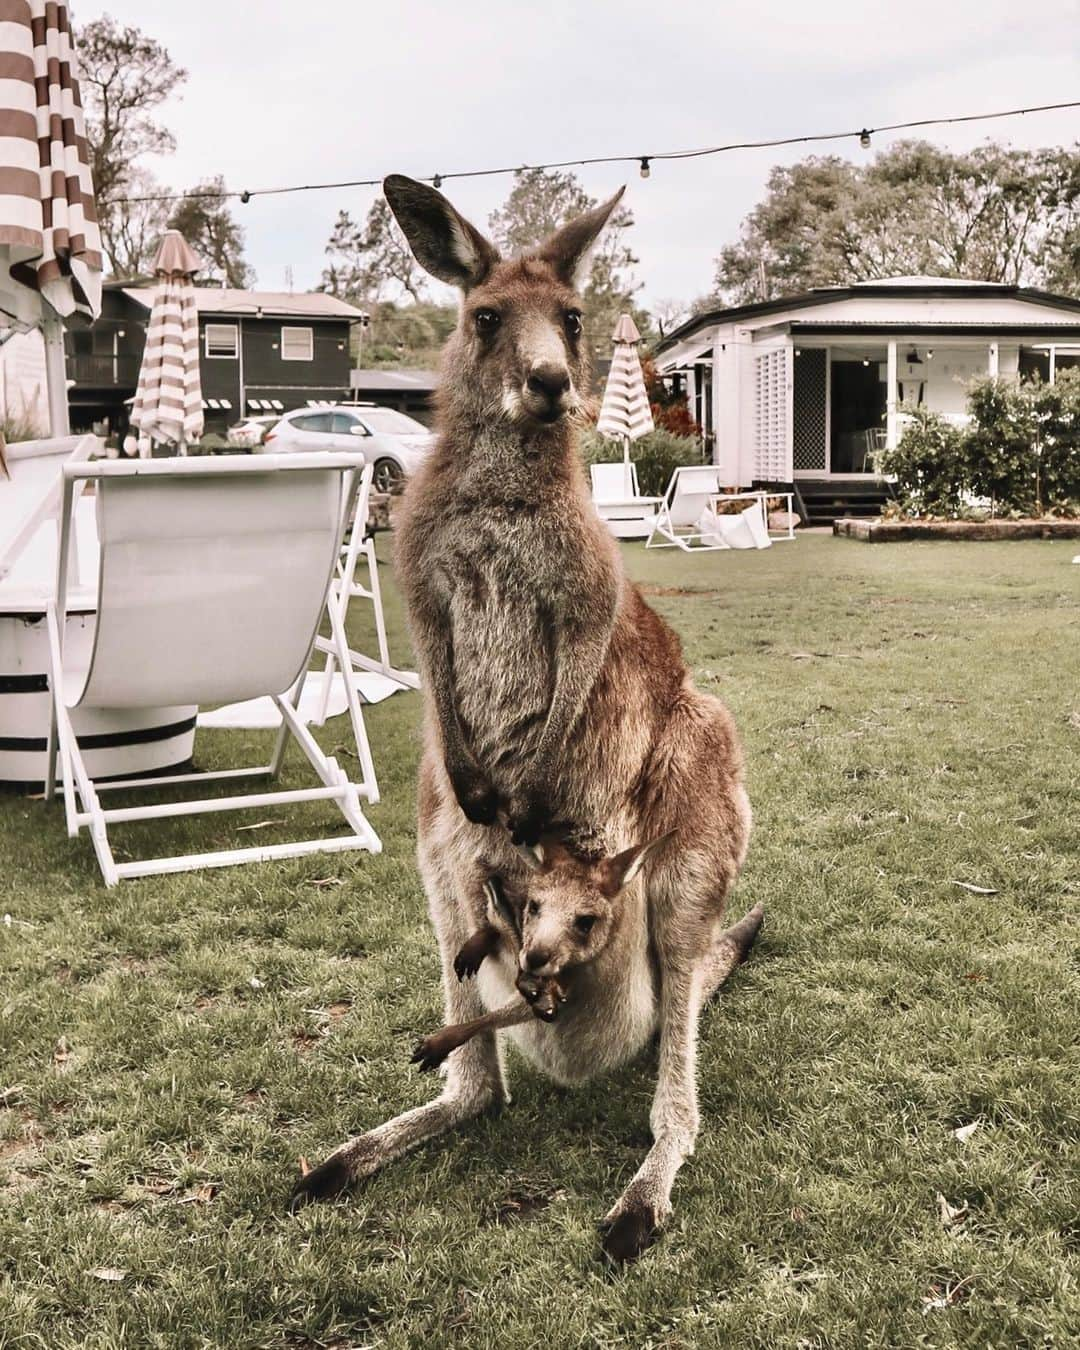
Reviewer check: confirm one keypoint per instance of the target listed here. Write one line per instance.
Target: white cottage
(806, 390)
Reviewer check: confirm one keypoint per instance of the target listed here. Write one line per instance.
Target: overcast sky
(282, 93)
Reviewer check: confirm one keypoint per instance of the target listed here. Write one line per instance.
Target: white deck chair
(678, 523)
(213, 580)
(346, 586)
(618, 500)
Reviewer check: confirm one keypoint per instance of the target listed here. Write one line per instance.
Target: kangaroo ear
(568, 248)
(442, 240)
(533, 856)
(617, 872)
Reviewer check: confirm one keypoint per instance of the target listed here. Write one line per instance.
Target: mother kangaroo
(556, 703)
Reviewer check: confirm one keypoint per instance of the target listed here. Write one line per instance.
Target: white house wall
(23, 390)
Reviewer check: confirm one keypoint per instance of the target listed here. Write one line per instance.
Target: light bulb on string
(644, 166)
(864, 139)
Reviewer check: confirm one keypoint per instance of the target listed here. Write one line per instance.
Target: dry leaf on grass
(947, 1296)
(62, 1052)
(950, 1215)
(964, 1132)
(256, 983)
(258, 825)
(202, 1196)
(305, 1166)
(111, 1274)
(321, 882)
(975, 890)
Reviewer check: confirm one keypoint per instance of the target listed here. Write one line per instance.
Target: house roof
(907, 287)
(232, 302)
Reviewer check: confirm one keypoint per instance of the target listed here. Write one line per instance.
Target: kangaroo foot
(330, 1178)
(630, 1232)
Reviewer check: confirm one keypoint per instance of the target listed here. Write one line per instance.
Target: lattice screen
(809, 450)
(770, 417)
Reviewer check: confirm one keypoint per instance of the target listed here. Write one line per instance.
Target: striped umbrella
(50, 247)
(624, 412)
(168, 399)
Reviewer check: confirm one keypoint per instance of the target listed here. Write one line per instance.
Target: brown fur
(555, 699)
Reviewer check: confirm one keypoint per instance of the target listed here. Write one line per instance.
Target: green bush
(656, 455)
(1020, 453)
(931, 466)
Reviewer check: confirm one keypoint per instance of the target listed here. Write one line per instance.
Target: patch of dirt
(679, 590)
(204, 1001)
(305, 1040)
(523, 1204)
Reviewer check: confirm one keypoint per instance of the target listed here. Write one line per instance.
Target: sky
(295, 93)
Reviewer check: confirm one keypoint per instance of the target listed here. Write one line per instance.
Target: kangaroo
(556, 701)
(565, 921)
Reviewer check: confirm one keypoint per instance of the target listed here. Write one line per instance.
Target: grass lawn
(169, 1049)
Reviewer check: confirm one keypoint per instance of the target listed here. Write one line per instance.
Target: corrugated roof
(398, 379)
(230, 301)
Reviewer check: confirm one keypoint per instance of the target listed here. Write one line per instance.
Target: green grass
(911, 715)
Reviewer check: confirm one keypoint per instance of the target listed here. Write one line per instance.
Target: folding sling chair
(345, 586)
(618, 500)
(212, 583)
(678, 522)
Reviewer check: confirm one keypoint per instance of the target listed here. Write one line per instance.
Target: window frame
(298, 328)
(234, 355)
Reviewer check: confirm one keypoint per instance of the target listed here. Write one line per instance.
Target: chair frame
(629, 517)
(346, 586)
(692, 541)
(82, 802)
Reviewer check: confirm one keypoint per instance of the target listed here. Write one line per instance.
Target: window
(344, 422)
(222, 339)
(297, 344)
(391, 421)
(312, 422)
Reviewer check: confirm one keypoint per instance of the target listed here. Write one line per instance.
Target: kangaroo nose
(536, 958)
(549, 379)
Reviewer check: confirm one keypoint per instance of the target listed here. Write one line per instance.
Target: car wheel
(388, 476)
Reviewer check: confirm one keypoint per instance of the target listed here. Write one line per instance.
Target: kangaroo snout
(546, 395)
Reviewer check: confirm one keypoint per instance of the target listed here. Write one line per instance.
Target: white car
(397, 445)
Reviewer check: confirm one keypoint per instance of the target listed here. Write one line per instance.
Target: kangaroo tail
(732, 948)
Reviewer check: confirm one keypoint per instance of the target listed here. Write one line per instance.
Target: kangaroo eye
(534, 908)
(486, 320)
(573, 322)
(584, 923)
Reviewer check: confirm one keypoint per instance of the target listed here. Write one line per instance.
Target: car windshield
(392, 423)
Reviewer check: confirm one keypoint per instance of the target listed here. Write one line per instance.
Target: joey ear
(442, 240)
(533, 856)
(619, 871)
(567, 250)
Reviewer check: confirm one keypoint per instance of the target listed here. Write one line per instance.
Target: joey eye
(584, 923)
(573, 322)
(534, 908)
(486, 320)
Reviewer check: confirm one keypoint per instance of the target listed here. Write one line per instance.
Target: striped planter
(117, 742)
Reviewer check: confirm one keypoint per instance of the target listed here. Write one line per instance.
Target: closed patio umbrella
(625, 414)
(50, 247)
(168, 400)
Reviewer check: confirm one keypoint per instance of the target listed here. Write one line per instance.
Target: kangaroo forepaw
(330, 1178)
(428, 1054)
(632, 1231)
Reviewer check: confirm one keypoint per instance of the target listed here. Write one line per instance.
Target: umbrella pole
(52, 330)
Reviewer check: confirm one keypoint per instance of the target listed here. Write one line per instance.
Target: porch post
(890, 397)
(992, 366)
(1053, 363)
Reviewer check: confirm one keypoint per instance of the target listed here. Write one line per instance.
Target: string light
(862, 135)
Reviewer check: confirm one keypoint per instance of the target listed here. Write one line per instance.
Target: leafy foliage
(656, 455)
(124, 77)
(542, 200)
(208, 225)
(992, 214)
(931, 467)
(371, 262)
(1020, 452)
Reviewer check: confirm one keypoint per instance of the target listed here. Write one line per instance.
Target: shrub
(931, 466)
(1057, 415)
(1000, 444)
(656, 455)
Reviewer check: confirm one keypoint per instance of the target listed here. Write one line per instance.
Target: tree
(539, 202)
(204, 219)
(135, 229)
(124, 76)
(371, 262)
(991, 214)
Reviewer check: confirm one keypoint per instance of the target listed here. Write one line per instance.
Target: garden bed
(896, 531)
